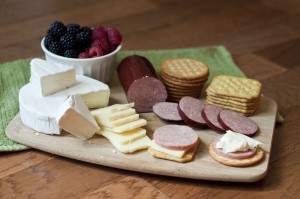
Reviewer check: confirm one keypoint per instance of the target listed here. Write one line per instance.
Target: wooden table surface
(264, 38)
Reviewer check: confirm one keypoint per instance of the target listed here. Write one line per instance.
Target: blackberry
(70, 53)
(84, 38)
(48, 40)
(68, 41)
(57, 29)
(55, 48)
(86, 29)
(73, 28)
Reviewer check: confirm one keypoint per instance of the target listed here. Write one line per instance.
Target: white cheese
(114, 108)
(49, 78)
(233, 142)
(176, 153)
(139, 144)
(119, 122)
(127, 127)
(74, 117)
(123, 138)
(39, 112)
(109, 117)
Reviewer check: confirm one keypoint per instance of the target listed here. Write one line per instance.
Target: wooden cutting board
(98, 150)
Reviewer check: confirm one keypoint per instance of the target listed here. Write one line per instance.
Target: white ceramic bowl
(100, 68)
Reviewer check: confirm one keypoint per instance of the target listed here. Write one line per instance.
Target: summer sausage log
(237, 122)
(167, 111)
(233, 155)
(210, 115)
(190, 111)
(140, 83)
(175, 137)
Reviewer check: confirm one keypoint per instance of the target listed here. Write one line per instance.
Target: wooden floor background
(262, 35)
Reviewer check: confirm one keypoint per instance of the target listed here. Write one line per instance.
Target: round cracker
(183, 68)
(259, 155)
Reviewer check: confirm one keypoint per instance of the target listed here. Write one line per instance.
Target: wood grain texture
(264, 37)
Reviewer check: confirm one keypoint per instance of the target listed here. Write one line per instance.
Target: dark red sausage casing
(140, 83)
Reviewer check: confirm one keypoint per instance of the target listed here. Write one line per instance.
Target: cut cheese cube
(74, 116)
(125, 137)
(49, 78)
(112, 116)
(176, 153)
(127, 127)
(119, 122)
(114, 108)
(139, 144)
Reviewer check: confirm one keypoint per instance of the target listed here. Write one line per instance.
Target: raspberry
(55, 48)
(68, 41)
(114, 36)
(103, 44)
(99, 32)
(70, 53)
(73, 28)
(83, 55)
(57, 29)
(95, 51)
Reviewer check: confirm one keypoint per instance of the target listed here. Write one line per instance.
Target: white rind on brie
(39, 112)
(49, 78)
(74, 117)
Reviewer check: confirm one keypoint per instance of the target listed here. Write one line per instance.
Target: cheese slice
(139, 144)
(119, 122)
(176, 153)
(114, 108)
(234, 142)
(49, 78)
(74, 117)
(39, 112)
(123, 138)
(109, 117)
(127, 127)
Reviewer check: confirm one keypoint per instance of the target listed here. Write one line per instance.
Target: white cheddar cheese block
(127, 127)
(176, 153)
(39, 112)
(123, 138)
(49, 78)
(114, 108)
(108, 117)
(119, 122)
(74, 117)
(139, 144)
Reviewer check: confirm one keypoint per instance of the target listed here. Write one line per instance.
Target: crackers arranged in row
(183, 77)
(234, 93)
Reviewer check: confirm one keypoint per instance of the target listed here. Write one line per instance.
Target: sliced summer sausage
(140, 83)
(175, 137)
(190, 111)
(210, 115)
(237, 122)
(233, 155)
(167, 111)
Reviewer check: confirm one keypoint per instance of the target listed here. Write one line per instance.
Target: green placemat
(15, 74)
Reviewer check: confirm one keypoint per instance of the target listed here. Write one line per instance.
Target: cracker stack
(183, 77)
(234, 93)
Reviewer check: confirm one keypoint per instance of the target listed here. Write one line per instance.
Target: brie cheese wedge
(49, 78)
(74, 117)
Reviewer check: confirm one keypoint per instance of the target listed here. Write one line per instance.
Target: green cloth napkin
(15, 74)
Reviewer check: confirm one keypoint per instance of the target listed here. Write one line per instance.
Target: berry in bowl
(91, 51)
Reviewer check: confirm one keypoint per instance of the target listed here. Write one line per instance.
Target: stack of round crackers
(183, 77)
(234, 93)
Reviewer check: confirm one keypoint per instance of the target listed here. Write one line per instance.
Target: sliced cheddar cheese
(125, 137)
(176, 153)
(126, 127)
(108, 117)
(139, 144)
(114, 108)
(119, 122)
